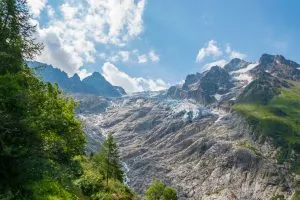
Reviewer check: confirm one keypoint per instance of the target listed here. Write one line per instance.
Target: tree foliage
(39, 134)
(108, 160)
(159, 191)
(17, 41)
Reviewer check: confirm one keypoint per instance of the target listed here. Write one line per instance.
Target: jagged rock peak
(236, 64)
(266, 59)
(75, 77)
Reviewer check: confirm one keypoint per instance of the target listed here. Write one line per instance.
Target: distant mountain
(102, 86)
(203, 87)
(278, 66)
(236, 64)
(226, 133)
(95, 84)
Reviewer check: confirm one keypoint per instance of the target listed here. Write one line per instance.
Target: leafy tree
(159, 191)
(17, 41)
(39, 134)
(169, 193)
(108, 160)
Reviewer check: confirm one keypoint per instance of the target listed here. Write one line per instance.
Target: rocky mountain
(205, 88)
(95, 84)
(278, 66)
(228, 133)
(236, 64)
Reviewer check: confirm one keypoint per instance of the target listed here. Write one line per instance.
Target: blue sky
(149, 45)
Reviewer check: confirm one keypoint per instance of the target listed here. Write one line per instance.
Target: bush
(158, 191)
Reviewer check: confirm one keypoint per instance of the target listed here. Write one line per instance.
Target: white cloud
(82, 73)
(36, 6)
(220, 63)
(131, 84)
(68, 11)
(133, 56)
(153, 56)
(211, 49)
(234, 54)
(84, 26)
(54, 53)
(143, 58)
(124, 55)
(50, 11)
(219, 55)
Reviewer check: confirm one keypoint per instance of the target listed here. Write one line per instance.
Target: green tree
(39, 134)
(169, 193)
(17, 41)
(159, 191)
(108, 160)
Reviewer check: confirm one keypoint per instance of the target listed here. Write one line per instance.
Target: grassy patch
(279, 119)
(249, 146)
(296, 196)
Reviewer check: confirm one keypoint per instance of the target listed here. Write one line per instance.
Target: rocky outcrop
(203, 87)
(236, 64)
(192, 139)
(95, 84)
(214, 155)
(262, 89)
(278, 66)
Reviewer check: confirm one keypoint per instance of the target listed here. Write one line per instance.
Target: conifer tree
(17, 42)
(108, 160)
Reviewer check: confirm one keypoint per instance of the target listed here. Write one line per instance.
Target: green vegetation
(296, 196)
(278, 197)
(159, 191)
(279, 119)
(108, 160)
(41, 142)
(248, 145)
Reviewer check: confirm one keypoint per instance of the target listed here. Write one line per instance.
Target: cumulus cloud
(234, 54)
(142, 59)
(220, 63)
(36, 6)
(217, 55)
(153, 56)
(211, 49)
(79, 28)
(82, 73)
(131, 84)
(133, 56)
(62, 58)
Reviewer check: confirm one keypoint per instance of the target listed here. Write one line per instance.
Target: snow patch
(298, 68)
(218, 97)
(220, 113)
(246, 69)
(244, 77)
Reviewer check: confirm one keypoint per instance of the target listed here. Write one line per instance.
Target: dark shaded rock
(236, 64)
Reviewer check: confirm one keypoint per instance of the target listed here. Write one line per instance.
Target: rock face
(189, 136)
(236, 64)
(212, 155)
(203, 87)
(278, 66)
(92, 85)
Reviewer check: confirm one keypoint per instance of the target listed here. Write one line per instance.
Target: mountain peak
(236, 64)
(95, 84)
(268, 58)
(75, 77)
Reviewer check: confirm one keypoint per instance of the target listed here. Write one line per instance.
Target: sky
(153, 44)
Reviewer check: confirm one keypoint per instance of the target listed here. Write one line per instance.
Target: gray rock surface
(190, 138)
(211, 154)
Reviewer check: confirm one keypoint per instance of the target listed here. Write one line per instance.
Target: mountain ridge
(227, 133)
(99, 86)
